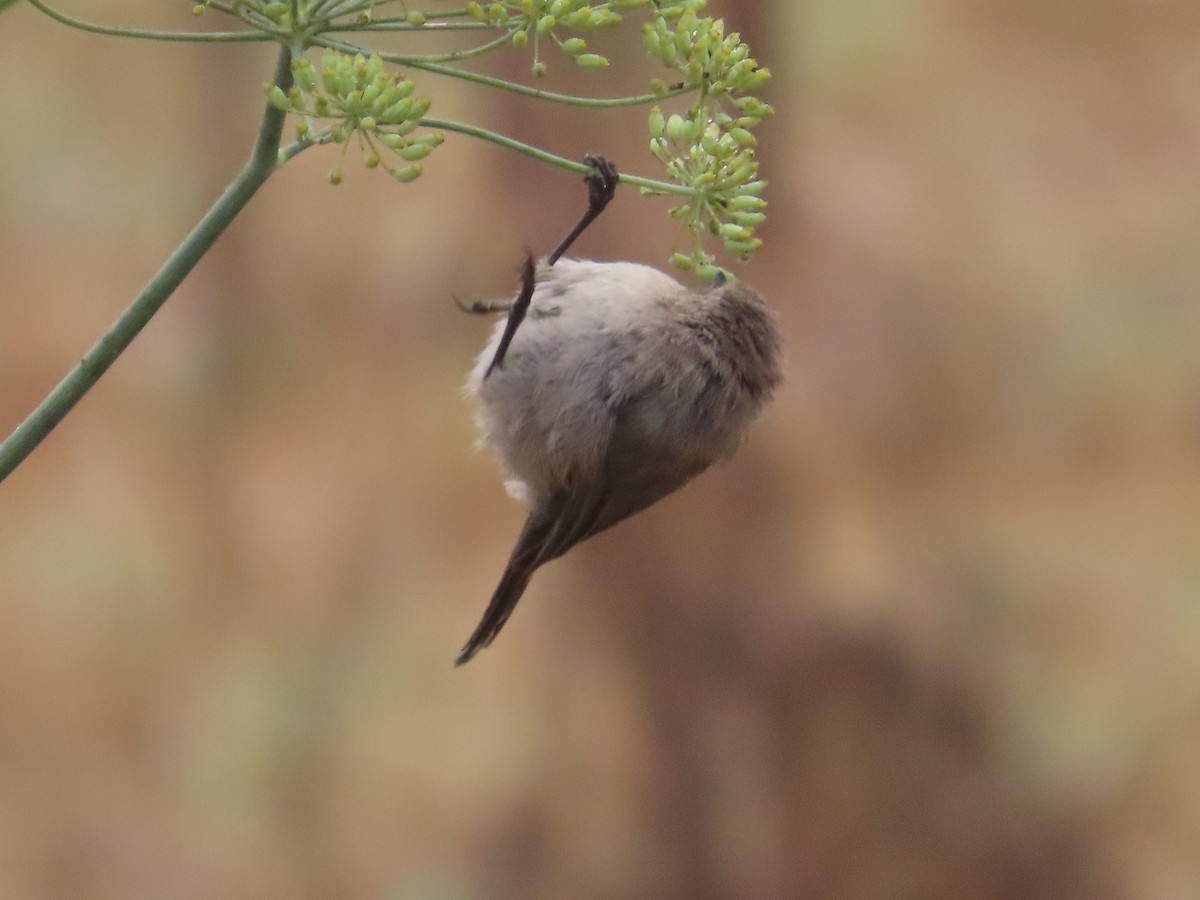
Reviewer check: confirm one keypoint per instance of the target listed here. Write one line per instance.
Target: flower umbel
(354, 97)
(539, 21)
(710, 146)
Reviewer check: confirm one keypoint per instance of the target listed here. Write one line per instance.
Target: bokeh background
(935, 633)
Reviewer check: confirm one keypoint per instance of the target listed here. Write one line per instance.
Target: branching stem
(210, 37)
(658, 187)
(438, 68)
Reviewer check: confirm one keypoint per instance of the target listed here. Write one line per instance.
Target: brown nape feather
(748, 325)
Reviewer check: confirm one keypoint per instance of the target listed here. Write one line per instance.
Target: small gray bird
(619, 386)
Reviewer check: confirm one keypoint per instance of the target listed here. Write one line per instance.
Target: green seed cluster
(709, 148)
(710, 154)
(540, 20)
(366, 103)
(706, 143)
(703, 53)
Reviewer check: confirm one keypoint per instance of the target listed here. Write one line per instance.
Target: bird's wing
(553, 527)
(637, 470)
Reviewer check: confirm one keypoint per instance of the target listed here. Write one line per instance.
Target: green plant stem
(347, 9)
(657, 187)
(426, 65)
(263, 160)
(293, 149)
(147, 34)
(397, 24)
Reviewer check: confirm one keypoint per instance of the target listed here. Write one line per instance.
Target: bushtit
(620, 386)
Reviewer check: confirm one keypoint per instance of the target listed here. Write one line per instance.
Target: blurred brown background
(933, 634)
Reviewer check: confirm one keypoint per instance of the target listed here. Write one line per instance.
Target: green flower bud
(743, 249)
(329, 79)
(738, 53)
(741, 172)
(335, 175)
(752, 106)
(707, 272)
(520, 39)
(683, 261)
(408, 173)
(656, 122)
(415, 151)
(746, 203)
(677, 129)
(574, 46)
(743, 137)
(683, 42)
(372, 92)
(278, 98)
(727, 146)
(651, 40)
(416, 18)
(420, 106)
(305, 75)
(747, 219)
(582, 19)
(538, 69)
(372, 69)
(592, 61)
(397, 90)
(546, 24)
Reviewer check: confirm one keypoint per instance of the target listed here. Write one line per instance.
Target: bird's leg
(515, 313)
(602, 185)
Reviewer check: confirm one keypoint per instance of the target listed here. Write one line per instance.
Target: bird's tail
(553, 528)
(512, 585)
